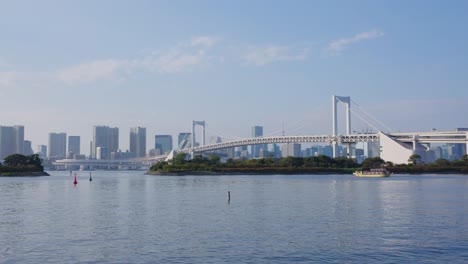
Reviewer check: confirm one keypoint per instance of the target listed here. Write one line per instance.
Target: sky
(66, 66)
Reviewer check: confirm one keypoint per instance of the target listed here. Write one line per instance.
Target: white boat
(372, 173)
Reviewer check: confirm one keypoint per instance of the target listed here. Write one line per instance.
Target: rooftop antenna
(283, 128)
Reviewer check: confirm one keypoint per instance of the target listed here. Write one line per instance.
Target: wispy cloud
(337, 46)
(205, 41)
(91, 71)
(261, 56)
(183, 56)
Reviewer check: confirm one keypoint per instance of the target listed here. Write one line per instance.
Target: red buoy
(75, 182)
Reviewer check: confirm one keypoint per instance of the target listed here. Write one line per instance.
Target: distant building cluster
(105, 146)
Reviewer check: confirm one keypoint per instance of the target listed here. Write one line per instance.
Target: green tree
(442, 163)
(214, 160)
(464, 158)
(15, 160)
(372, 163)
(415, 159)
(179, 159)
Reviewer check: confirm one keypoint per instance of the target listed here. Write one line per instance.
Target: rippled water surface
(126, 217)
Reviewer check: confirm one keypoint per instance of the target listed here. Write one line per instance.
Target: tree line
(314, 164)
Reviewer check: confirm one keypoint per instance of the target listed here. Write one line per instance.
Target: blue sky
(66, 66)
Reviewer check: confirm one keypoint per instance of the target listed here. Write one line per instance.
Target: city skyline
(234, 65)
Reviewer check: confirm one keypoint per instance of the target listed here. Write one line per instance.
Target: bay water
(127, 217)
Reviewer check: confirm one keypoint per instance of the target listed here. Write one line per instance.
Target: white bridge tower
(347, 101)
(202, 124)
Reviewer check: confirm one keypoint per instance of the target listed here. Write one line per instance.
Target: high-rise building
(11, 140)
(57, 148)
(291, 150)
(184, 140)
(105, 137)
(163, 143)
(371, 149)
(42, 151)
(73, 146)
(257, 131)
(113, 139)
(27, 149)
(138, 141)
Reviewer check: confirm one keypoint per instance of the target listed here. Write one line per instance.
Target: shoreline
(252, 172)
(24, 174)
(286, 172)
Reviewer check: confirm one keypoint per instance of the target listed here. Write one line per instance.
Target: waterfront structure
(138, 141)
(57, 148)
(399, 152)
(163, 143)
(184, 140)
(27, 149)
(11, 140)
(73, 146)
(105, 137)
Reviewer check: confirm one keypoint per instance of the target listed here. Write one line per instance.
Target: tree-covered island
(200, 165)
(21, 165)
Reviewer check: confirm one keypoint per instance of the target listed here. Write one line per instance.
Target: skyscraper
(163, 143)
(184, 140)
(138, 141)
(42, 151)
(257, 131)
(291, 150)
(73, 146)
(11, 140)
(57, 148)
(27, 149)
(105, 137)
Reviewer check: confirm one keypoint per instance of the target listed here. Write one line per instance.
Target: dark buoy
(90, 179)
(75, 182)
(229, 196)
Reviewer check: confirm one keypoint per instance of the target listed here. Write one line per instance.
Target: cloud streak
(184, 56)
(261, 56)
(91, 71)
(337, 46)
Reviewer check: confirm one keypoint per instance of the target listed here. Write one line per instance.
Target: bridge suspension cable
(371, 116)
(296, 125)
(360, 117)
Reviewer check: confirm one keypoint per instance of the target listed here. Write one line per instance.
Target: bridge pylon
(202, 124)
(347, 101)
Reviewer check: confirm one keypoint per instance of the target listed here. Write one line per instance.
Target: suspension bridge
(394, 147)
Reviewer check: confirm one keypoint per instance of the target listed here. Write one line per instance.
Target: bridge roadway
(129, 163)
(460, 137)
